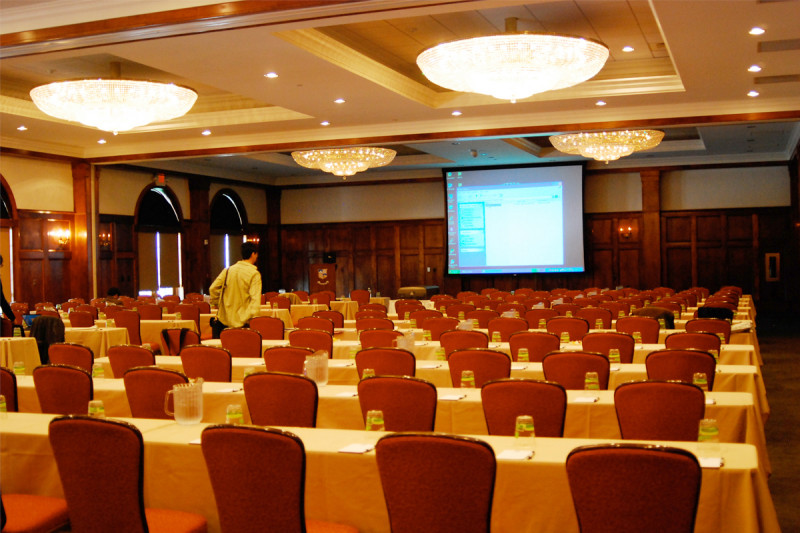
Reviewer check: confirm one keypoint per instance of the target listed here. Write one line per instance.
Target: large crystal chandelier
(345, 161)
(607, 145)
(513, 66)
(113, 104)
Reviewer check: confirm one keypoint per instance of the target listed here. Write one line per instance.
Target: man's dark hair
(248, 249)
(113, 291)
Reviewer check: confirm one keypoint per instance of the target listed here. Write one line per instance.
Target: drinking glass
(700, 379)
(467, 379)
(374, 420)
(234, 415)
(97, 409)
(708, 438)
(523, 432)
(591, 381)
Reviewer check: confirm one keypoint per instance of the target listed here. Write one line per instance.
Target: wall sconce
(104, 240)
(61, 236)
(252, 238)
(625, 232)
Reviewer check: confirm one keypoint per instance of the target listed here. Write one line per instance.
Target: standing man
(236, 293)
(6, 308)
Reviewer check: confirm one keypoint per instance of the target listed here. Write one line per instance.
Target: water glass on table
(591, 381)
(524, 433)
(374, 420)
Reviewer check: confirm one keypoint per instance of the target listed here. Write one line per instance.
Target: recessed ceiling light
(757, 31)
(627, 48)
(206, 132)
(600, 103)
(22, 128)
(753, 93)
(101, 141)
(456, 113)
(754, 68)
(339, 101)
(271, 75)
(324, 123)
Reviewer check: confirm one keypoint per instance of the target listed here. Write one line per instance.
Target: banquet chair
(634, 487)
(269, 295)
(270, 327)
(360, 295)
(516, 307)
(86, 308)
(289, 359)
(570, 368)
(126, 356)
(537, 318)
(386, 361)
(177, 299)
(499, 295)
(130, 320)
(538, 344)
(453, 310)
(537, 302)
(660, 314)
(437, 325)
(63, 389)
(149, 311)
(112, 310)
(483, 316)
(114, 501)
(266, 495)
(618, 309)
(435, 482)
(334, 316)
(279, 399)
(241, 342)
(407, 307)
(680, 365)
(574, 326)
(706, 341)
(147, 386)
(593, 314)
(422, 315)
(212, 363)
(46, 330)
(369, 313)
(407, 403)
(487, 365)
(505, 399)
(312, 338)
(373, 323)
(659, 410)
(202, 306)
(168, 307)
(373, 307)
(603, 341)
(710, 325)
(647, 326)
(322, 298)
(379, 338)
(189, 312)
(316, 322)
(506, 326)
(29, 513)
(70, 353)
(302, 296)
(8, 388)
(6, 327)
(173, 340)
(564, 308)
(81, 319)
(457, 339)
(190, 297)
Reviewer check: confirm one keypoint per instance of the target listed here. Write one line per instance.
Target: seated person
(657, 313)
(112, 297)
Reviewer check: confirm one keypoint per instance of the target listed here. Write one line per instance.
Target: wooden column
(197, 231)
(80, 282)
(651, 228)
(270, 253)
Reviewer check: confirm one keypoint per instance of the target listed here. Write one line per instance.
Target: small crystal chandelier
(345, 161)
(513, 66)
(607, 145)
(113, 104)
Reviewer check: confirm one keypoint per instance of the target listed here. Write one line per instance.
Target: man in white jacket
(236, 293)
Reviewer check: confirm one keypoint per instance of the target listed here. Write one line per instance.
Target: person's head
(113, 292)
(248, 249)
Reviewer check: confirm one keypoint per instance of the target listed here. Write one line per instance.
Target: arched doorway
(159, 248)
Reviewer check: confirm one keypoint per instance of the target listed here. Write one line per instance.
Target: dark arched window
(158, 223)
(228, 220)
(5, 207)
(157, 210)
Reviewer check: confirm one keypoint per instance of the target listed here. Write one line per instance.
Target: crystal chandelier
(345, 161)
(607, 145)
(513, 66)
(113, 104)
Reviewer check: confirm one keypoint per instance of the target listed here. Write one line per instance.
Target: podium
(322, 277)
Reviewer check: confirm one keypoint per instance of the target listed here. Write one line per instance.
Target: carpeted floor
(779, 339)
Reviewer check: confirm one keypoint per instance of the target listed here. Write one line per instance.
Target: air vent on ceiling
(782, 45)
(787, 78)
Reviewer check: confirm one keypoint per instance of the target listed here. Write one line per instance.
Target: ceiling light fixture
(627, 48)
(339, 101)
(22, 128)
(754, 68)
(271, 75)
(113, 104)
(513, 65)
(324, 123)
(753, 93)
(456, 113)
(600, 103)
(755, 30)
(345, 161)
(607, 145)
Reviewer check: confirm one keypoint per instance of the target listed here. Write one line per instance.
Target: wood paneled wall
(43, 266)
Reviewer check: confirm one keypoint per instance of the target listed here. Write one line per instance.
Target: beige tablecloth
(22, 349)
(98, 339)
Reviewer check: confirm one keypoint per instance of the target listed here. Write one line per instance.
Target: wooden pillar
(651, 230)
(270, 253)
(197, 231)
(81, 264)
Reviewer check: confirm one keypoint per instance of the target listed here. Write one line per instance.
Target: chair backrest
(603, 341)
(505, 399)
(281, 302)
(63, 389)
(566, 309)
(129, 320)
(680, 365)
(86, 308)
(312, 338)
(334, 316)
(517, 307)
(70, 353)
(386, 361)
(271, 489)
(487, 365)
(189, 312)
(630, 487)
(706, 341)
(483, 316)
(647, 326)
(373, 323)
(369, 313)
(379, 338)
(456, 309)
(146, 388)
(211, 363)
(659, 410)
(202, 306)
(574, 326)
(289, 359)
(8, 388)
(401, 308)
(506, 326)
(241, 342)
(456, 339)
(438, 325)
(270, 327)
(149, 311)
(538, 344)
(422, 315)
(570, 368)
(711, 325)
(302, 296)
(321, 298)
(595, 314)
(442, 483)
(360, 295)
(316, 322)
(278, 399)
(537, 318)
(408, 403)
(123, 357)
(112, 310)
(111, 502)
(81, 319)
(173, 340)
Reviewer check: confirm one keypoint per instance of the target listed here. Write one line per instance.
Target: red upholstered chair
(312, 338)
(517, 307)
(456, 339)
(281, 302)
(177, 299)
(146, 388)
(360, 295)
(618, 309)
(322, 298)
(129, 320)
(538, 343)
(8, 388)
(81, 319)
(680, 365)
(595, 314)
(369, 313)
(634, 487)
(6, 327)
(263, 495)
(316, 322)
(483, 316)
(408, 403)
(203, 307)
(537, 318)
(289, 359)
(149, 311)
(278, 399)
(407, 306)
(123, 357)
(334, 316)
(424, 314)
(70, 353)
(63, 389)
(28, 513)
(302, 296)
(437, 325)
(270, 327)
(189, 312)
(373, 307)
(267, 296)
(659, 410)
(706, 341)
(112, 502)
(574, 326)
(710, 325)
(86, 308)
(506, 326)
(570, 368)
(112, 310)
(505, 399)
(241, 342)
(566, 309)
(646, 326)
(211, 363)
(453, 310)
(373, 323)
(441, 483)
(379, 338)
(487, 365)
(386, 361)
(173, 340)
(603, 341)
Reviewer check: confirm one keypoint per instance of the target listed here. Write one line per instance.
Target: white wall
(119, 190)
(254, 200)
(37, 184)
(609, 193)
(725, 188)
